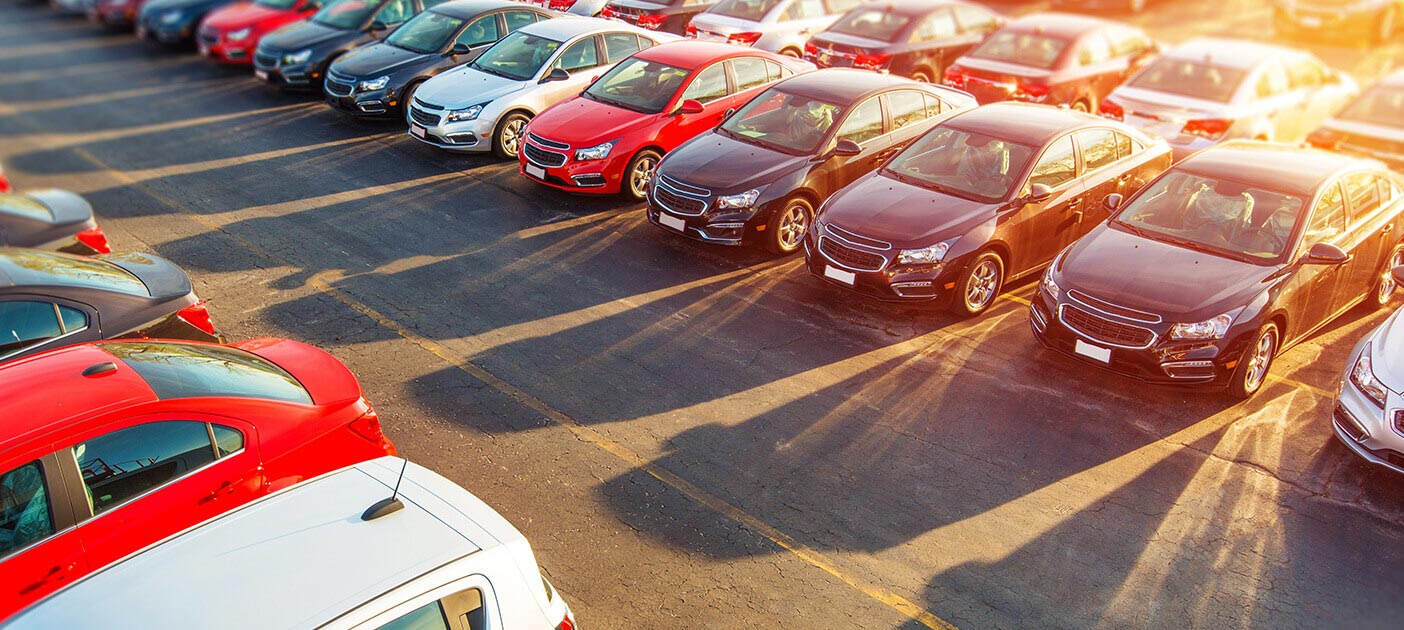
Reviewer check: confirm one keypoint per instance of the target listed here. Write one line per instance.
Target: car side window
(907, 107)
(1305, 73)
(863, 123)
(773, 71)
(1124, 146)
(1093, 49)
(227, 439)
(518, 19)
(837, 7)
(645, 42)
(482, 31)
(460, 611)
(1272, 81)
(579, 56)
(1057, 166)
(750, 72)
(1327, 218)
(395, 12)
(25, 324)
(975, 19)
(1363, 190)
(618, 46)
(1127, 42)
(25, 517)
(124, 464)
(1098, 148)
(935, 105)
(936, 27)
(707, 85)
(805, 9)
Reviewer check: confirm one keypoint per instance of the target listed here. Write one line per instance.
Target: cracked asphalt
(698, 437)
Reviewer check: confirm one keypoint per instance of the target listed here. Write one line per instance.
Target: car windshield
(25, 207)
(872, 24)
(1381, 105)
(426, 32)
(1025, 49)
(1218, 216)
(787, 122)
(183, 370)
(347, 14)
(34, 268)
(276, 4)
(1194, 79)
(518, 56)
(639, 85)
(753, 10)
(962, 163)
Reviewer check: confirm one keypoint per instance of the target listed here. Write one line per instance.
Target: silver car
(1209, 90)
(1372, 126)
(485, 105)
(1369, 413)
(779, 26)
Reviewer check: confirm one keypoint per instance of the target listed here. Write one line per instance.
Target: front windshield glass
(962, 163)
(276, 4)
(788, 122)
(753, 10)
(872, 24)
(1381, 105)
(347, 14)
(1025, 49)
(518, 56)
(1194, 79)
(642, 86)
(425, 33)
(1218, 216)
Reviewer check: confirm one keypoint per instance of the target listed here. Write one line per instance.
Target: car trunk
(993, 81)
(1161, 113)
(837, 50)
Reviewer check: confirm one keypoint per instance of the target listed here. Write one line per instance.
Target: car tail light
(4, 183)
(94, 239)
(872, 62)
(1210, 128)
(1325, 139)
(1033, 91)
(954, 78)
(652, 20)
(198, 316)
(566, 624)
(745, 39)
(561, 5)
(1111, 109)
(810, 50)
(368, 427)
(607, 12)
(690, 31)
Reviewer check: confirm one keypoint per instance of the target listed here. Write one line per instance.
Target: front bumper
(268, 67)
(343, 94)
(108, 15)
(890, 282)
(467, 136)
(593, 177)
(729, 228)
(1363, 426)
(214, 47)
(151, 29)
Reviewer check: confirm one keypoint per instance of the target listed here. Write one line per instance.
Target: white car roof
(296, 559)
(1231, 53)
(569, 27)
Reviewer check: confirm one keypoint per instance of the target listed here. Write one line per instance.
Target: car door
(1316, 285)
(582, 59)
(865, 125)
(1369, 230)
(156, 474)
(468, 603)
(39, 552)
(711, 86)
(933, 44)
(1039, 230)
(33, 323)
(1103, 174)
(476, 37)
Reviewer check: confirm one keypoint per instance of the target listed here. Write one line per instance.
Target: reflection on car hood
(465, 87)
(723, 165)
(66, 206)
(237, 16)
(581, 122)
(880, 207)
(1177, 283)
(1387, 352)
(302, 34)
(379, 58)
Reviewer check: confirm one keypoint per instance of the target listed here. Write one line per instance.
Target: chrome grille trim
(424, 118)
(336, 86)
(856, 240)
(1062, 312)
(832, 242)
(542, 157)
(1114, 310)
(549, 144)
(685, 189)
(664, 186)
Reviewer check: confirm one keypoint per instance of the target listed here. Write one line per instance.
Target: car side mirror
(690, 106)
(314, 5)
(377, 26)
(1325, 254)
(556, 74)
(846, 148)
(1398, 273)
(1039, 193)
(460, 48)
(1112, 203)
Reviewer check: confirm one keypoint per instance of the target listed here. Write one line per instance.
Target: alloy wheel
(984, 281)
(512, 135)
(793, 226)
(1260, 360)
(642, 174)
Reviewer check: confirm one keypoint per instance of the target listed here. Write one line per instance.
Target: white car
(779, 26)
(315, 556)
(485, 105)
(1209, 90)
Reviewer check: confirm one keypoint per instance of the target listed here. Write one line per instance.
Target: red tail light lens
(690, 31)
(810, 50)
(368, 427)
(1210, 128)
(4, 183)
(1033, 91)
(198, 316)
(744, 39)
(652, 20)
(562, 5)
(954, 78)
(566, 624)
(872, 62)
(1111, 109)
(607, 12)
(1325, 139)
(95, 239)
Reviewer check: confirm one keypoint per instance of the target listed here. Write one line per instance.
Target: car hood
(581, 122)
(724, 164)
(466, 87)
(162, 277)
(66, 206)
(299, 35)
(1369, 130)
(240, 15)
(379, 58)
(1387, 352)
(880, 207)
(1177, 283)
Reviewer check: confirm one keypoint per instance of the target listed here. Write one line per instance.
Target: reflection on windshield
(967, 164)
(518, 56)
(753, 10)
(426, 33)
(785, 121)
(876, 24)
(1025, 49)
(347, 13)
(1380, 106)
(1190, 78)
(639, 85)
(1220, 216)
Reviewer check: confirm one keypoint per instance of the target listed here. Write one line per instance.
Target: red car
(115, 13)
(4, 183)
(230, 34)
(609, 139)
(110, 447)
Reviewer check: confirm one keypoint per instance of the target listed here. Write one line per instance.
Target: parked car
(610, 139)
(1233, 255)
(987, 196)
(582, 8)
(760, 175)
(1372, 383)
(50, 219)
(72, 7)
(1377, 20)
(380, 78)
(230, 34)
(297, 55)
(1128, 6)
(485, 105)
(1053, 58)
(173, 21)
(780, 26)
(114, 13)
(107, 448)
(668, 16)
(312, 557)
(1371, 126)
(49, 299)
(1209, 90)
(916, 39)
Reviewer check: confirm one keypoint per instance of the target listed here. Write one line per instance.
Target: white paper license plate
(671, 221)
(845, 277)
(536, 171)
(417, 131)
(1092, 352)
(261, 74)
(141, 32)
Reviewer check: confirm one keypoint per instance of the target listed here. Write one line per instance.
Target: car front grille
(550, 144)
(337, 85)
(541, 157)
(1113, 309)
(265, 61)
(1103, 330)
(856, 238)
(209, 39)
(850, 257)
(669, 194)
(422, 117)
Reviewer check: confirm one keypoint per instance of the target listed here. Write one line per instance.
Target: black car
(1237, 252)
(916, 39)
(379, 78)
(1377, 20)
(174, 21)
(989, 195)
(297, 55)
(50, 219)
(669, 16)
(760, 175)
(48, 300)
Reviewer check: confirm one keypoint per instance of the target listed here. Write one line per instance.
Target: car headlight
(239, 35)
(300, 56)
(926, 255)
(460, 115)
(1049, 286)
(170, 17)
(1209, 329)
(377, 83)
(738, 202)
(597, 152)
(1363, 376)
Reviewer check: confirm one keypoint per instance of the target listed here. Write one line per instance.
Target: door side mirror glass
(847, 148)
(1112, 203)
(556, 74)
(1325, 254)
(377, 26)
(460, 48)
(690, 106)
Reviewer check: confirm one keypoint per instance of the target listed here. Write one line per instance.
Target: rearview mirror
(556, 74)
(690, 106)
(1325, 254)
(1112, 202)
(847, 148)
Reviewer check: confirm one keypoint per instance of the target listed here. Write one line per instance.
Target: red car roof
(689, 54)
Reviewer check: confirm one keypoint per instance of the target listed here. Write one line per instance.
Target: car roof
(1273, 166)
(471, 8)
(1233, 53)
(569, 27)
(1060, 25)
(1023, 123)
(45, 391)
(914, 7)
(690, 53)
(843, 85)
(296, 559)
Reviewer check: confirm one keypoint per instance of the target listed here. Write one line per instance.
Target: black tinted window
(23, 324)
(24, 508)
(518, 19)
(481, 31)
(176, 370)
(620, 45)
(579, 56)
(750, 72)
(122, 465)
(227, 440)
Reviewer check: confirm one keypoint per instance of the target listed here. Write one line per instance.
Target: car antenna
(389, 505)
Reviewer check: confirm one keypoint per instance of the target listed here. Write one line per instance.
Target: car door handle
(1387, 229)
(1072, 205)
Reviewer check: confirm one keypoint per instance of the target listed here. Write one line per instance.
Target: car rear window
(753, 10)
(1190, 78)
(34, 268)
(25, 207)
(178, 370)
(1024, 49)
(871, 23)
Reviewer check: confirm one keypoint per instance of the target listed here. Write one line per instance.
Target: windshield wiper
(493, 71)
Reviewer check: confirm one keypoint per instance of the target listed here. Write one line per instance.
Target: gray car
(1369, 413)
(50, 219)
(779, 26)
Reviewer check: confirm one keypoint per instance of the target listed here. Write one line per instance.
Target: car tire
(507, 135)
(639, 173)
(406, 97)
(1383, 289)
(788, 227)
(922, 75)
(979, 285)
(1256, 363)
